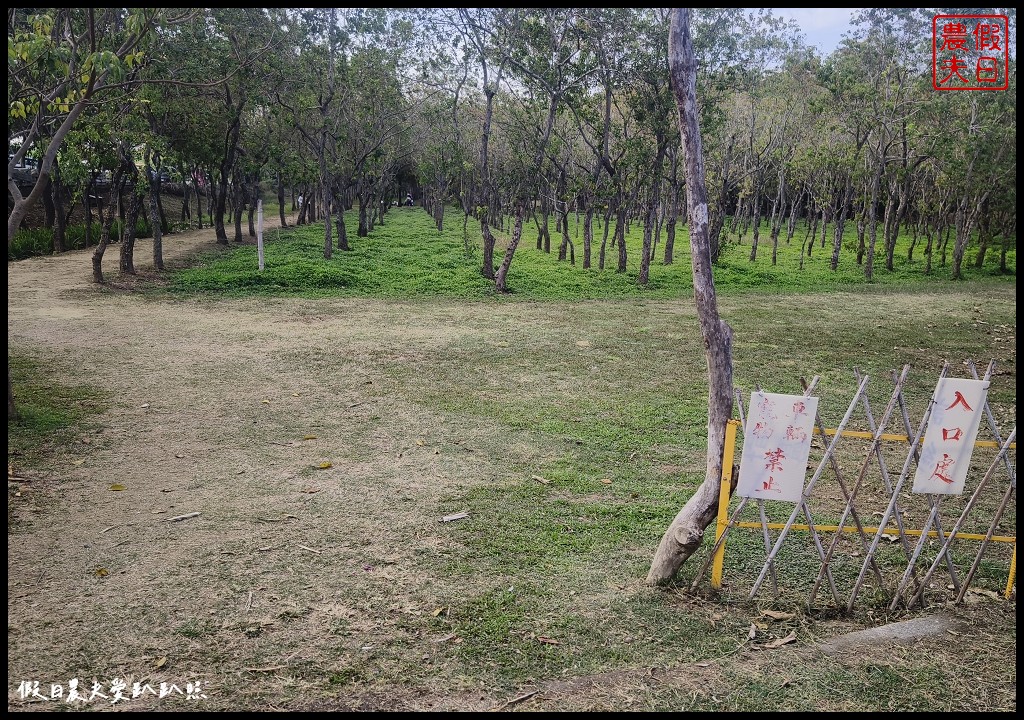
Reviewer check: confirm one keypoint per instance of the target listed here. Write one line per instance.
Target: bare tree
(685, 533)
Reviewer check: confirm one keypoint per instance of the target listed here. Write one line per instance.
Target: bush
(74, 236)
(30, 242)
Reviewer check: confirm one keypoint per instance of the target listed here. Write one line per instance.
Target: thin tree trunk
(154, 218)
(107, 219)
(604, 237)
(127, 255)
(686, 531)
(872, 219)
(280, 200)
(652, 215)
(588, 235)
(620, 238)
(60, 219)
(756, 220)
(500, 279)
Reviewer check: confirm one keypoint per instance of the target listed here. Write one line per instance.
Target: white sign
(949, 440)
(776, 444)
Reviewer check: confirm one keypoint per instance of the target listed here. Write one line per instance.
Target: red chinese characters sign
(970, 52)
(776, 445)
(949, 441)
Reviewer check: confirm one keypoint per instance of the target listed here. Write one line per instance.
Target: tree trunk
(154, 219)
(840, 223)
(620, 238)
(686, 531)
(339, 223)
(984, 235)
(88, 213)
(889, 226)
(60, 219)
(756, 220)
(500, 279)
(239, 204)
(220, 208)
(280, 200)
(254, 197)
(651, 215)
(48, 210)
(107, 219)
(127, 257)
(604, 238)
(588, 235)
(928, 247)
(872, 219)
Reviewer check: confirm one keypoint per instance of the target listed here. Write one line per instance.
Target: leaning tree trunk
(106, 223)
(500, 282)
(684, 535)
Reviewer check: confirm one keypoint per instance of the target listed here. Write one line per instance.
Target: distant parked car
(167, 174)
(25, 172)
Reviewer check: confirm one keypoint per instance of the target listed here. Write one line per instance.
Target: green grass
(50, 414)
(407, 257)
(582, 392)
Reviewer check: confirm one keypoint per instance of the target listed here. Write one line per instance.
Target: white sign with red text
(776, 445)
(949, 441)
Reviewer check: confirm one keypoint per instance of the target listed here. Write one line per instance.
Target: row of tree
(513, 115)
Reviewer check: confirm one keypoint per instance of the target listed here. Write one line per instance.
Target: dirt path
(226, 409)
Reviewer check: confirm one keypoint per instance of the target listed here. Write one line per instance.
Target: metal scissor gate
(926, 486)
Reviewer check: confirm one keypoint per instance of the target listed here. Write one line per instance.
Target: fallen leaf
(606, 481)
(117, 487)
(420, 442)
(446, 638)
(583, 343)
(703, 664)
(178, 455)
(781, 641)
(542, 481)
(161, 662)
(775, 615)
(891, 538)
(143, 405)
(456, 516)
(548, 641)
(752, 633)
(325, 465)
(78, 462)
(309, 437)
(310, 490)
(438, 611)
(266, 402)
(101, 572)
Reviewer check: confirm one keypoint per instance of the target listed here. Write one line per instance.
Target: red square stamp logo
(970, 52)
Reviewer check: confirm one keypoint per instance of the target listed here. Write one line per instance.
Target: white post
(259, 231)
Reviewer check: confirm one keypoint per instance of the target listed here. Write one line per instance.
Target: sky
(823, 27)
